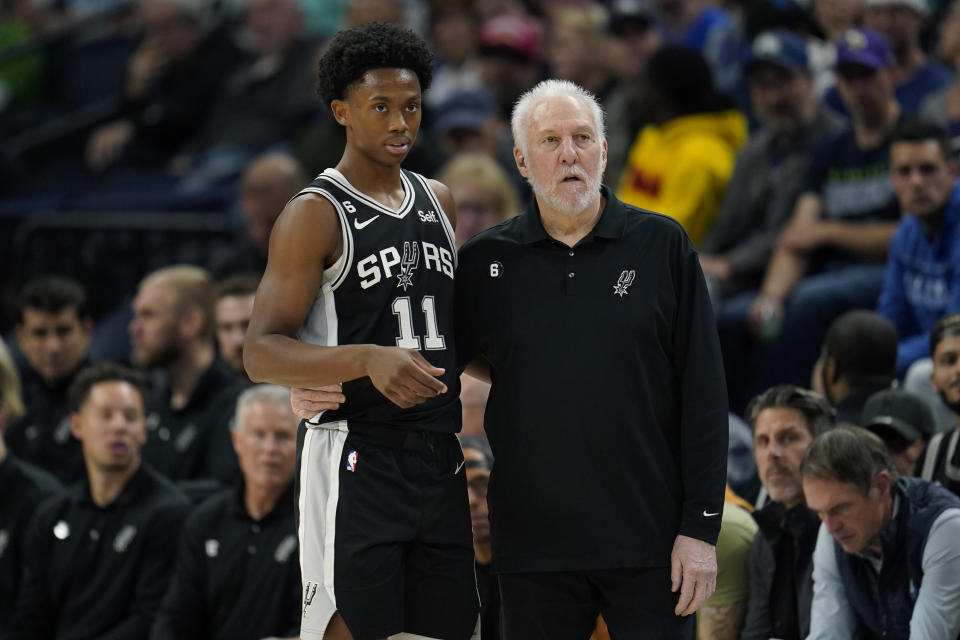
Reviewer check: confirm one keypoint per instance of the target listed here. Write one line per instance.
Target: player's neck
(379, 181)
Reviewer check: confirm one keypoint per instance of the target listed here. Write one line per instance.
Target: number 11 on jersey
(407, 338)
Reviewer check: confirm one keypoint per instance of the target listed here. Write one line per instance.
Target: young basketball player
(359, 289)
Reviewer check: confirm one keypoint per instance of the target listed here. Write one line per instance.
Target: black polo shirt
(236, 578)
(42, 436)
(99, 572)
(608, 412)
(193, 442)
(22, 488)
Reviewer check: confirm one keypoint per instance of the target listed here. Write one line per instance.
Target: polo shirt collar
(610, 225)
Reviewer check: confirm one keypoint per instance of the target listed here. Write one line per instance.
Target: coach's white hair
(272, 393)
(546, 90)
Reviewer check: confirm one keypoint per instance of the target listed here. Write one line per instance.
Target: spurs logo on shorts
(309, 591)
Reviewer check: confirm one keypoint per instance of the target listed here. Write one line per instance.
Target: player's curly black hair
(377, 45)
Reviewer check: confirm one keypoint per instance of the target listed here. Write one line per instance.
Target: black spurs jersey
(392, 286)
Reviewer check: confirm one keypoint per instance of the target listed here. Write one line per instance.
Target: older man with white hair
(607, 414)
(237, 574)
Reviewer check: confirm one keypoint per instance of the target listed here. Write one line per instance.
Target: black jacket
(777, 608)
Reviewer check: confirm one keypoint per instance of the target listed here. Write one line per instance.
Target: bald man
(268, 182)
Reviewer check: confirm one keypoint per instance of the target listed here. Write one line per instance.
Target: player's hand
(307, 403)
(404, 376)
(693, 570)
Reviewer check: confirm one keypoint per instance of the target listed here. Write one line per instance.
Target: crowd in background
(808, 149)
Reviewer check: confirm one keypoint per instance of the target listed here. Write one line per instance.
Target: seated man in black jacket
(238, 575)
(785, 420)
(98, 557)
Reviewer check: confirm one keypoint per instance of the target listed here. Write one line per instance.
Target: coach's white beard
(568, 203)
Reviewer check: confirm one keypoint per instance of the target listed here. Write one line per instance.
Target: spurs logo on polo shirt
(62, 433)
(122, 542)
(285, 549)
(212, 547)
(186, 438)
(61, 530)
(4, 541)
(408, 263)
(626, 279)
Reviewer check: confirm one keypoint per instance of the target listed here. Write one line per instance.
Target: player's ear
(340, 111)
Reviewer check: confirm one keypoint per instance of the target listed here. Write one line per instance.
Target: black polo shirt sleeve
(703, 401)
(182, 614)
(32, 619)
(158, 558)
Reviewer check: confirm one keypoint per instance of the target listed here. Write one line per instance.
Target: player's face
(853, 519)
(946, 371)
(382, 114)
(564, 156)
(477, 480)
(922, 177)
(780, 438)
(154, 328)
(266, 444)
(54, 343)
(111, 426)
(232, 318)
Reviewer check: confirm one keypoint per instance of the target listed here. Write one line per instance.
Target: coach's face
(563, 155)
(381, 113)
(780, 438)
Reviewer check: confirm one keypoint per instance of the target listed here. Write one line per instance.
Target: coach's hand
(307, 403)
(693, 570)
(404, 376)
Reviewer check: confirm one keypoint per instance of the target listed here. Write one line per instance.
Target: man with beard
(940, 462)
(54, 335)
(192, 391)
(232, 317)
(577, 407)
(785, 421)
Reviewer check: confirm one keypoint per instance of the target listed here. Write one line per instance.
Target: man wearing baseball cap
(829, 259)
(903, 421)
(770, 171)
(914, 75)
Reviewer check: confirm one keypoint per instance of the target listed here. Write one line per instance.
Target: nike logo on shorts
(709, 515)
(360, 225)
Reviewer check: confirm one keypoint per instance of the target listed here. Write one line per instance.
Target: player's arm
(306, 238)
